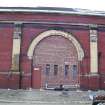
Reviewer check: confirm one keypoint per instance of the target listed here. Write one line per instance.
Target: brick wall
(30, 31)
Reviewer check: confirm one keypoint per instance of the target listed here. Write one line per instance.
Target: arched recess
(45, 34)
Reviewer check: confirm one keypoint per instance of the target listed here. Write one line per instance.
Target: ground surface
(44, 97)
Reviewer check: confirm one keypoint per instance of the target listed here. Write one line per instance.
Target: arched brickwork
(45, 34)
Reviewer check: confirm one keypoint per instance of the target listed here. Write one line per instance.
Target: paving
(44, 97)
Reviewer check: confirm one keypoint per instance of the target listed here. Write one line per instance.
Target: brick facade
(35, 23)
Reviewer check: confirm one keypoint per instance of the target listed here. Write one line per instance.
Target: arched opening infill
(60, 57)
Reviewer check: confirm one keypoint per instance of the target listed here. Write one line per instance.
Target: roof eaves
(46, 10)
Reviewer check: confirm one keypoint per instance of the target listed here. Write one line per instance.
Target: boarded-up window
(66, 70)
(47, 69)
(55, 69)
(74, 72)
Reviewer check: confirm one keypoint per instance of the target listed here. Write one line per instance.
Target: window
(66, 70)
(55, 69)
(74, 71)
(47, 69)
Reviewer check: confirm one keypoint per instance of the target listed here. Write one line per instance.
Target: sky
(84, 4)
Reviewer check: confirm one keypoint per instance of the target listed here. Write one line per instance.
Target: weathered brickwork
(56, 50)
(53, 50)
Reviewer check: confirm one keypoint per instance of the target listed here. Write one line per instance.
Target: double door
(57, 74)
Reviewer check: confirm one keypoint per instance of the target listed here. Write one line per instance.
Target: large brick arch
(45, 34)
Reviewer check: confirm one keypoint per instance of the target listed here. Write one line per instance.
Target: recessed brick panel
(56, 50)
(5, 48)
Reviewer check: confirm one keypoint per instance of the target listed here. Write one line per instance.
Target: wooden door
(36, 78)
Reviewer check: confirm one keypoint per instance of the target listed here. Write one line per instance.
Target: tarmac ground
(45, 97)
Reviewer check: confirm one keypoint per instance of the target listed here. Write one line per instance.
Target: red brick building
(52, 46)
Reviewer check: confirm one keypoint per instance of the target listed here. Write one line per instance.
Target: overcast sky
(86, 4)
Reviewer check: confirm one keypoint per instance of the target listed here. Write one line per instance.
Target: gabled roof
(57, 10)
